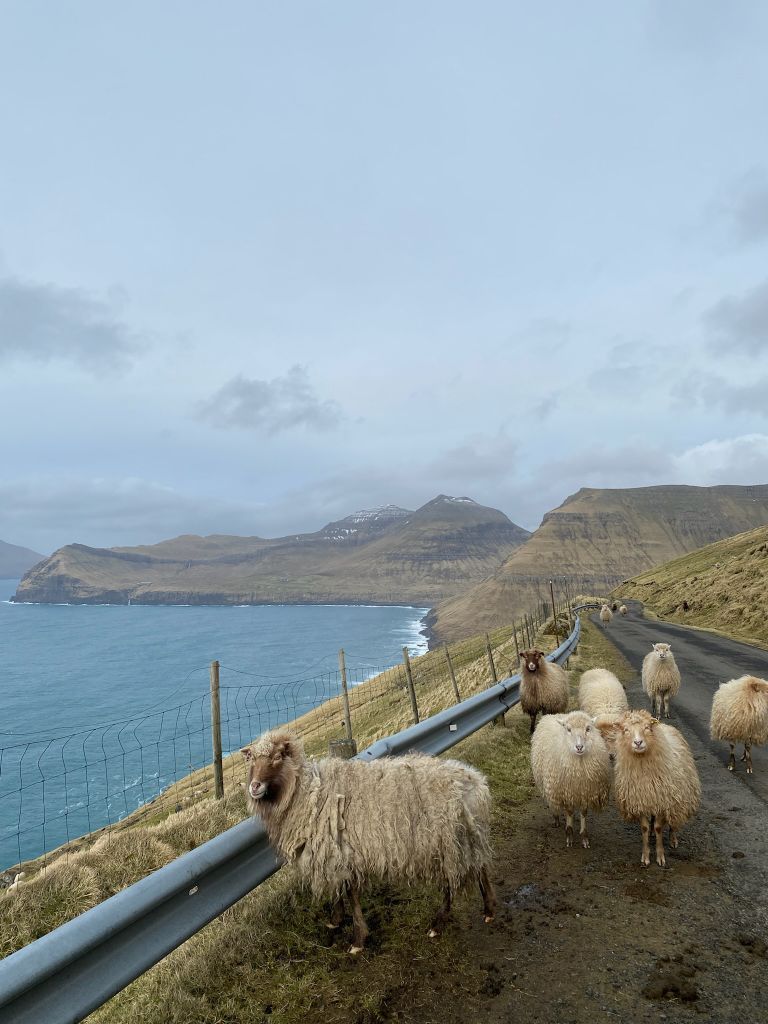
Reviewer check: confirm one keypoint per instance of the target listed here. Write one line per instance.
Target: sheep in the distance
(600, 692)
(605, 615)
(655, 777)
(623, 610)
(345, 824)
(571, 768)
(543, 686)
(660, 677)
(740, 715)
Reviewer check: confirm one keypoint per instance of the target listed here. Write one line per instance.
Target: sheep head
(272, 761)
(580, 731)
(662, 650)
(531, 659)
(637, 731)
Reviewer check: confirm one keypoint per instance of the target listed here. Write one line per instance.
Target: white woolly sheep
(601, 693)
(543, 686)
(623, 610)
(344, 823)
(571, 768)
(605, 615)
(661, 677)
(655, 776)
(740, 715)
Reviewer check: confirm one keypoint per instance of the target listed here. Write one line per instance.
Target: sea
(103, 706)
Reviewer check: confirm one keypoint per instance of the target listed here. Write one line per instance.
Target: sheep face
(531, 659)
(579, 732)
(271, 762)
(662, 650)
(637, 731)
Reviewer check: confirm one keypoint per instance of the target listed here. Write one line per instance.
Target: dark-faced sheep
(740, 715)
(655, 777)
(660, 677)
(543, 686)
(345, 824)
(571, 768)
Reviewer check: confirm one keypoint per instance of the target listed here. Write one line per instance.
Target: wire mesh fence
(56, 789)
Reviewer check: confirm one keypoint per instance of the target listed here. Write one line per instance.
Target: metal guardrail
(65, 975)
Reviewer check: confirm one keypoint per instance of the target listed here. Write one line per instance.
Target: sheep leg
(583, 830)
(569, 827)
(337, 913)
(666, 705)
(674, 842)
(645, 828)
(732, 759)
(748, 757)
(438, 924)
(533, 720)
(658, 828)
(359, 927)
(488, 894)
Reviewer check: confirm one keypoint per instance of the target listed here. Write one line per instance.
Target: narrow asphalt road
(735, 803)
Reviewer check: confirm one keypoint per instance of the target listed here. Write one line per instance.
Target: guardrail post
(218, 767)
(411, 690)
(452, 674)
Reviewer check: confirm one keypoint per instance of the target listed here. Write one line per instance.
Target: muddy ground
(591, 935)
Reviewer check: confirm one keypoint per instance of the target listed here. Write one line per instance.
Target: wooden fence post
(499, 719)
(554, 613)
(349, 744)
(452, 673)
(411, 690)
(218, 767)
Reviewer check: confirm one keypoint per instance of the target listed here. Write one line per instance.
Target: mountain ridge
(16, 560)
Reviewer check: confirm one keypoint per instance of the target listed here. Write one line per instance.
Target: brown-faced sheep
(543, 686)
(601, 693)
(344, 824)
(661, 677)
(740, 715)
(571, 768)
(655, 776)
(605, 615)
(623, 610)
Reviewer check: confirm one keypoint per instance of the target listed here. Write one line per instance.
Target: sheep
(614, 607)
(605, 615)
(600, 692)
(543, 686)
(571, 768)
(660, 677)
(655, 776)
(344, 823)
(740, 714)
(623, 610)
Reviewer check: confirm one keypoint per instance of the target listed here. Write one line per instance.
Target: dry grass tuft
(37, 907)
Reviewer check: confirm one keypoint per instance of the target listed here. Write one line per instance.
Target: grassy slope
(271, 957)
(725, 585)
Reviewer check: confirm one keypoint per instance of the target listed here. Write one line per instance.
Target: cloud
(746, 207)
(270, 406)
(45, 513)
(741, 322)
(481, 457)
(734, 460)
(715, 391)
(42, 322)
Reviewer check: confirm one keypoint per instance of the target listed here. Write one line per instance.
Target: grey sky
(261, 264)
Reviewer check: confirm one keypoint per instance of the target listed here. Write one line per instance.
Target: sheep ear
(247, 753)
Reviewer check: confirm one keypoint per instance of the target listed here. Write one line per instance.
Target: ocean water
(103, 706)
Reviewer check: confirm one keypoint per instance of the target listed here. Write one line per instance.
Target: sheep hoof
(645, 862)
(674, 842)
(569, 836)
(355, 950)
(661, 862)
(585, 842)
(433, 933)
(488, 918)
(731, 767)
(749, 771)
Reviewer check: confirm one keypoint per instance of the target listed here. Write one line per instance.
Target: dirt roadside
(590, 935)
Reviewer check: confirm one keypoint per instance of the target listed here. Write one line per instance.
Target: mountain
(388, 555)
(14, 561)
(722, 586)
(598, 537)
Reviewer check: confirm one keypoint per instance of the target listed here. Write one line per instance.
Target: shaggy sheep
(661, 677)
(571, 768)
(543, 686)
(347, 823)
(740, 715)
(623, 609)
(600, 692)
(654, 777)
(605, 615)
